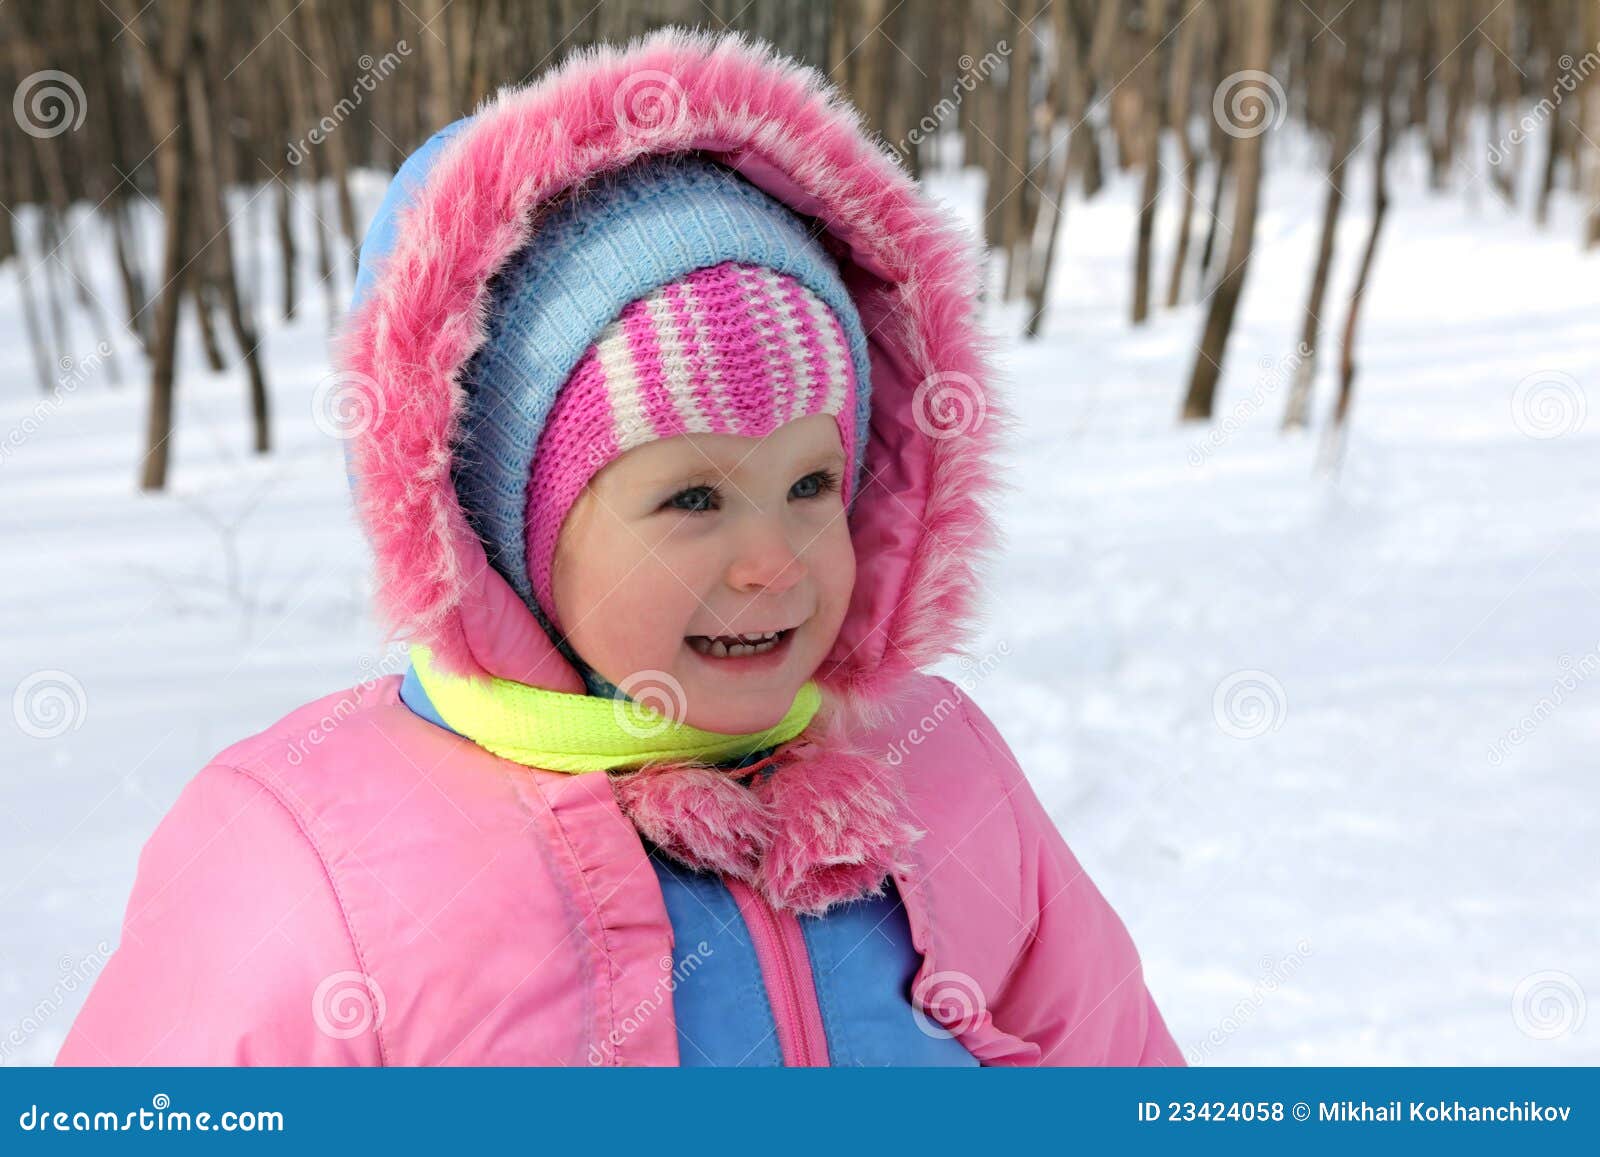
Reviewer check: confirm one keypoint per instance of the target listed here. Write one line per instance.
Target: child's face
(684, 539)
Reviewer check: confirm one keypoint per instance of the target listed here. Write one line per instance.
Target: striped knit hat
(673, 297)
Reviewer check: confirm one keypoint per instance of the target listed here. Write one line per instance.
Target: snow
(1326, 743)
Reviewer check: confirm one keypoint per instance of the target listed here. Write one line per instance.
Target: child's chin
(757, 714)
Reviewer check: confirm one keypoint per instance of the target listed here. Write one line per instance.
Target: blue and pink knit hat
(672, 297)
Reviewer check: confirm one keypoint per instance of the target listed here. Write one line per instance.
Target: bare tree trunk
(200, 302)
(1221, 150)
(1255, 54)
(12, 244)
(436, 58)
(313, 17)
(210, 193)
(1061, 166)
(1182, 85)
(1333, 442)
(1343, 93)
(1014, 163)
(1589, 110)
(1083, 149)
(1547, 23)
(1148, 90)
(162, 70)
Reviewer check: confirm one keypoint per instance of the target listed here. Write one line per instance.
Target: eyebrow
(707, 473)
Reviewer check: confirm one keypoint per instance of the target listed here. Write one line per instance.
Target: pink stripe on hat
(733, 348)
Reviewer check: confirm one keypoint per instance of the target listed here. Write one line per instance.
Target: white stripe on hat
(834, 355)
(756, 286)
(675, 363)
(710, 366)
(794, 343)
(629, 424)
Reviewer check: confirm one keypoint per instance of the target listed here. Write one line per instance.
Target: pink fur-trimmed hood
(466, 202)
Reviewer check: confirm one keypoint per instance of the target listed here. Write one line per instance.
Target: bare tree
(164, 54)
(1255, 19)
(1341, 90)
(1333, 441)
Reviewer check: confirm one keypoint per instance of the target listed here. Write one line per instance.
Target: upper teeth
(724, 646)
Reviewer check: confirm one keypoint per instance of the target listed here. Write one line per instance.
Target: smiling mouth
(739, 646)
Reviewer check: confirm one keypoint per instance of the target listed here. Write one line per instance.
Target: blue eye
(705, 498)
(815, 485)
(695, 500)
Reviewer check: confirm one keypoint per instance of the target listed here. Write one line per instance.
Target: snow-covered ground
(1328, 745)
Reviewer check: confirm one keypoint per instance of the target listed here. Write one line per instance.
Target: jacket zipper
(786, 971)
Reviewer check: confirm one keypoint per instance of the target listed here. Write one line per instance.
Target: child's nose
(766, 561)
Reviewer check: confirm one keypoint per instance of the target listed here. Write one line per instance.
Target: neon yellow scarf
(560, 731)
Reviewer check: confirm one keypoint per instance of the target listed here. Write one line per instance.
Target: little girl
(660, 463)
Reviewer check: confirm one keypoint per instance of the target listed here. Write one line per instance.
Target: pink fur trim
(840, 829)
(827, 825)
(780, 124)
(704, 817)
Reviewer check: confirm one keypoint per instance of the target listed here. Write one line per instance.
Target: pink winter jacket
(356, 885)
